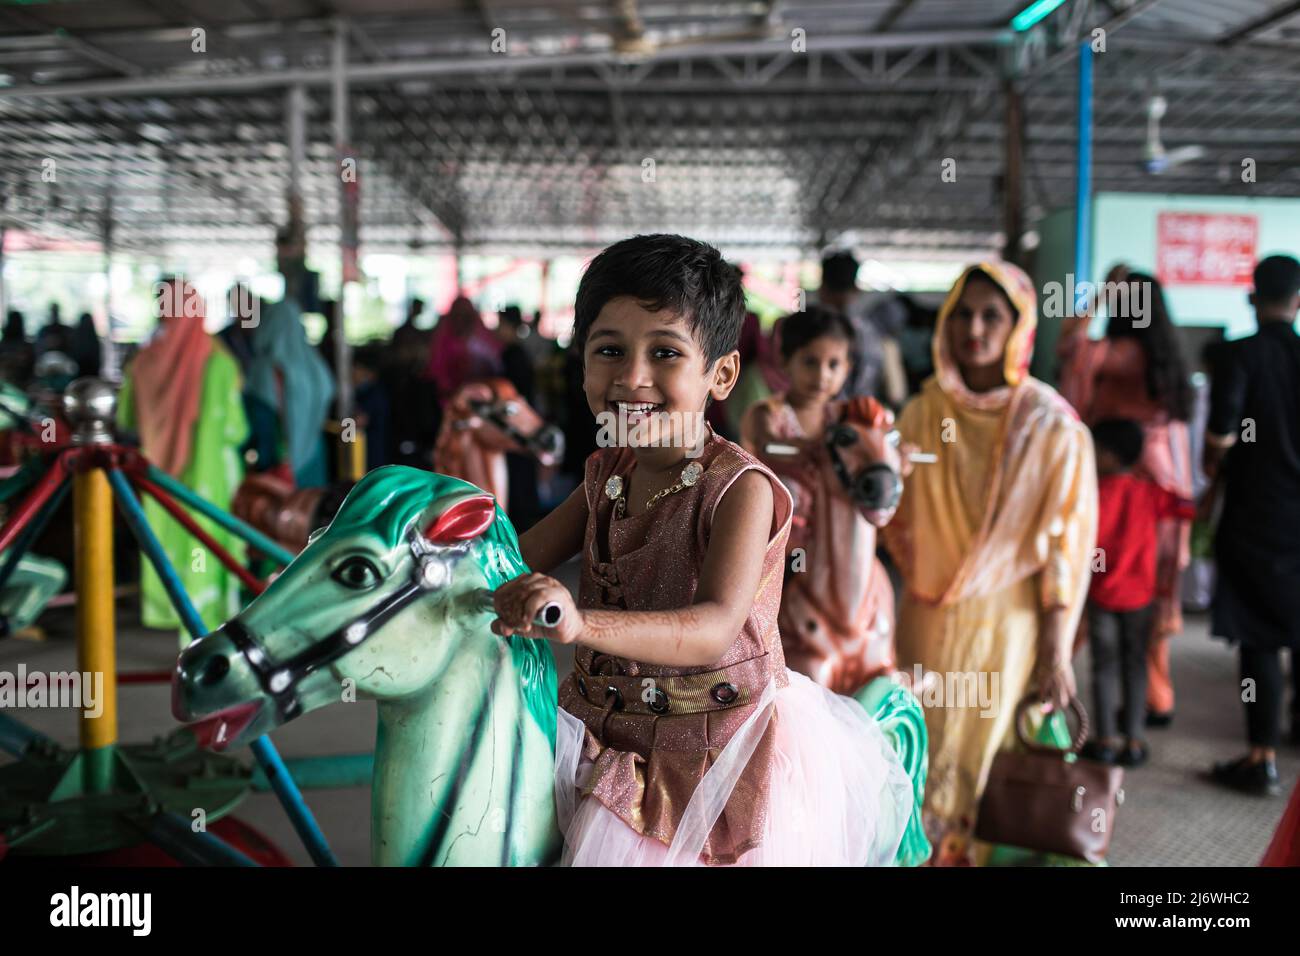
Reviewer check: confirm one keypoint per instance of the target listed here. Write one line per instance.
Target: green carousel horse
(464, 755)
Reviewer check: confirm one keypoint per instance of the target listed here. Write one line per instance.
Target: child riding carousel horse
(836, 457)
(680, 737)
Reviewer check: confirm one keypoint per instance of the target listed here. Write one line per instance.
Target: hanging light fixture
(1033, 13)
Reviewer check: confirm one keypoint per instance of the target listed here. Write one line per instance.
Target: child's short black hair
(684, 276)
(800, 328)
(1123, 437)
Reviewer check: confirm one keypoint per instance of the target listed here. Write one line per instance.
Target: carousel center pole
(90, 406)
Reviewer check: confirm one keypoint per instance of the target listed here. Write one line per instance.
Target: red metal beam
(174, 509)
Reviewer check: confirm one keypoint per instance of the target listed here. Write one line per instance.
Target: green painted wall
(1053, 261)
(1124, 229)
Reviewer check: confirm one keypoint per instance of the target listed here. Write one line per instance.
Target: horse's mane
(388, 500)
(532, 657)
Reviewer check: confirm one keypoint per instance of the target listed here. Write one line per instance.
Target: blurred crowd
(992, 556)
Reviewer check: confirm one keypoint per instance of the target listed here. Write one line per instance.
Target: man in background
(877, 319)
(1252, 451)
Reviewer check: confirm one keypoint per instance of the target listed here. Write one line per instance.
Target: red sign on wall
(1206, 248)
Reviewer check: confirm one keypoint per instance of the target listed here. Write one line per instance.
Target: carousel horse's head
(503, 421)
(863, 453)
(379, 603)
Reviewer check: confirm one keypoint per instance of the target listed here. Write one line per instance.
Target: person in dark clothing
(416, 414)
(244, 312)
(524, 501)
(329, 311)
(409, 339)
(15, 330)
(55, 336)
(515, 359)
(1253, 451)
(17, 357)
(578, 422)
(86, 349)
(373, 404)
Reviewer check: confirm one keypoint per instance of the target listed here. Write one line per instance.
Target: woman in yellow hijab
(993, 541)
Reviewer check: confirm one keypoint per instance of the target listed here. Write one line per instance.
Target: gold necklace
(614, 488)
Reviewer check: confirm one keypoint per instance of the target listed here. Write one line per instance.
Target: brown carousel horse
(837, 609)
(272, 504)
(484, 420)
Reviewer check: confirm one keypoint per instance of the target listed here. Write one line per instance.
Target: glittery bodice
(652, 561)
(653, 730)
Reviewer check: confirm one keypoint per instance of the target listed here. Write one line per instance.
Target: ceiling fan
(1155, 158)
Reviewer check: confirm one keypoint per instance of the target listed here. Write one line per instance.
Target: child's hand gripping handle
(551, 614)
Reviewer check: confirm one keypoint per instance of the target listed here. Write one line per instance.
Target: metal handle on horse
(776, 448)
(551, 614)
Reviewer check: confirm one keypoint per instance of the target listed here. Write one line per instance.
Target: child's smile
(646, 376)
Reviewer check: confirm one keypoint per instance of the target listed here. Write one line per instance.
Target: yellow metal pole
(96, 652)
(350, 455)
(357, 453)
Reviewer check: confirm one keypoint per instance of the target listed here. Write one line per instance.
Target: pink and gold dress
(740, 762)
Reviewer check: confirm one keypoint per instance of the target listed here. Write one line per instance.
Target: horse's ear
(467, 518)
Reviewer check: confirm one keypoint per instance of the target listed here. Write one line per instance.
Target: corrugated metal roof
(550, 144)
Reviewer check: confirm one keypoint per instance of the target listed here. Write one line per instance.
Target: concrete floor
(1171, 817)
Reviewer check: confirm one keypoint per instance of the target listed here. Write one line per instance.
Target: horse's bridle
(279, 680)
(547, 440)
(877, 486)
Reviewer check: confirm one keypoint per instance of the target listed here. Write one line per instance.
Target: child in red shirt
(1120, 602)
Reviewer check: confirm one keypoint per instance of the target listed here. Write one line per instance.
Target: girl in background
(837, 607)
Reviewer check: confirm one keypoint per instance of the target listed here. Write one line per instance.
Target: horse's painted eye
(358, 573)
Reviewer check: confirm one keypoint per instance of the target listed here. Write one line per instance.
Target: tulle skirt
(838, 796)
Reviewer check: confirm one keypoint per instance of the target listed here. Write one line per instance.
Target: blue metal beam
(267, 756)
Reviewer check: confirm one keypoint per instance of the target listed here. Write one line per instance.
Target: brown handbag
(1037, 800)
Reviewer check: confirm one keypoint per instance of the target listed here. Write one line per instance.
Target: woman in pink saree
(461, 350)
(1137, 371)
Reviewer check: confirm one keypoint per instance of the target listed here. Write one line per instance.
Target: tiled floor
(1170, 816)
(1173, 817)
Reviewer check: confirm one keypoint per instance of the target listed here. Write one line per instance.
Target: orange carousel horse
(837, 609)
(484, 420)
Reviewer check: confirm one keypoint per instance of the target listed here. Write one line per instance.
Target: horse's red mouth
(216, 731)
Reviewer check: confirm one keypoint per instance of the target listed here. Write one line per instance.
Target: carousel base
(59, 802)
(231, 830)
